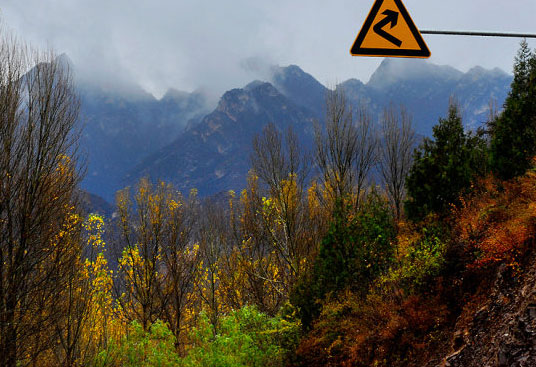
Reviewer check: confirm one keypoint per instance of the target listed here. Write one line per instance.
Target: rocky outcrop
(502, 332)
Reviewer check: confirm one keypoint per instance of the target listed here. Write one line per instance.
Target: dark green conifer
(444, 166)
(357, 249)
(513, 133)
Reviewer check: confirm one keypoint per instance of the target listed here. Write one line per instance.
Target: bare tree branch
(396, 154)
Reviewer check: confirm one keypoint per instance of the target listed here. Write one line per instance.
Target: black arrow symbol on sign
(390, 17)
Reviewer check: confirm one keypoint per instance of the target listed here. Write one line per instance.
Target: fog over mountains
(182, 139)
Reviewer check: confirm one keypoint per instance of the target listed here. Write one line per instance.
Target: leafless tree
(396, 154)
(366, 155)
(275, 158)
(38, 176)
(213, 237)
(283, 165)
(346, 150)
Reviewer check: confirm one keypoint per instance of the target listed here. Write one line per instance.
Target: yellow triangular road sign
(389, 31)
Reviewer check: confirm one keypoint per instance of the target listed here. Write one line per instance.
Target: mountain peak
(239, 100)
(392, 71)
(289, 71)
(235, 99)
(479, 71)
(285, 76)
(300, 87)
(262, 88)
(254, 84)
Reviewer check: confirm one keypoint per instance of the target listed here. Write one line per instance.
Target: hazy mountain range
(181, 139)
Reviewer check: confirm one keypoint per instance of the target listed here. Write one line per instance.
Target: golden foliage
(497, 222)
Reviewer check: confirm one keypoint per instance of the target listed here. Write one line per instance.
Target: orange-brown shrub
(496, 223)
(374, 332)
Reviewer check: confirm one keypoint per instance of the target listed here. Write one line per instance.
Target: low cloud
(218, 45)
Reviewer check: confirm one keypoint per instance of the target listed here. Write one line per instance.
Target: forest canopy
(349, 254)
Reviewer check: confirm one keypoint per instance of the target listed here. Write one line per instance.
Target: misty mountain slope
(213, 155)
(425, 90)
(122, 129)
(300, 87)
(477, 89)
(130, 134)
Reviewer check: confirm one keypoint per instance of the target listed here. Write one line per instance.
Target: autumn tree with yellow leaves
(158, 265)
(38, 178)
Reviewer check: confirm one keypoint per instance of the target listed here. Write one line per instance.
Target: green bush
(420, 263)
(152, 348)
(245, 337)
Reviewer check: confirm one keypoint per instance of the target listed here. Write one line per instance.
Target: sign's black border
(357, 50)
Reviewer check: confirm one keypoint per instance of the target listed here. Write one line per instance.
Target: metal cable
(480, 34)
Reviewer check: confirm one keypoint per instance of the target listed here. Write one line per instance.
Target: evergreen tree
(356, 250)
(514, 131)
(444, 166)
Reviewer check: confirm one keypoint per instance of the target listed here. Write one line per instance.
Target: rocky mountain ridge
(219, 161)
(181, 139)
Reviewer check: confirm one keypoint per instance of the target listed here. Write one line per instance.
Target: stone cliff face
(213, 155)
(501, 330)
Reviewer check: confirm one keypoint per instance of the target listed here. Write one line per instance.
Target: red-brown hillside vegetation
(460, 295)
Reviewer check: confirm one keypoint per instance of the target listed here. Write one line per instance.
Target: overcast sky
(221, 44)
